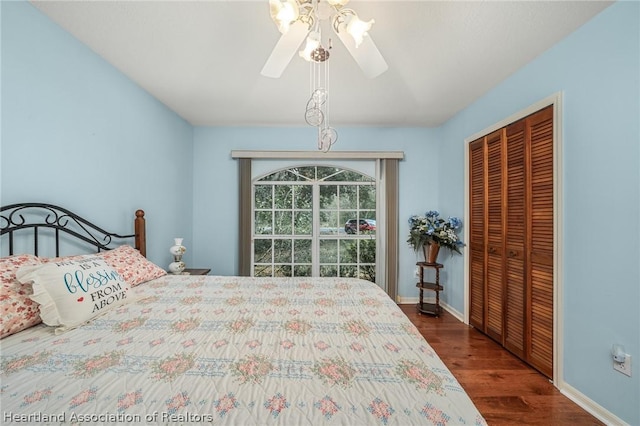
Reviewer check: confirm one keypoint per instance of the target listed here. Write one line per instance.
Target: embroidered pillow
(18, 311)
(132, 266)
(71, 292)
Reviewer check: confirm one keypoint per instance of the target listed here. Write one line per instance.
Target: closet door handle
(512, 253)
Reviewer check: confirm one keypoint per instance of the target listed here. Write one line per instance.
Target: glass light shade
(358, 29)
(284, 13)
(337, 2)
(313, 41)
(177, 249)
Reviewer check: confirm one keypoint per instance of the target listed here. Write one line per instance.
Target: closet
(511, 237)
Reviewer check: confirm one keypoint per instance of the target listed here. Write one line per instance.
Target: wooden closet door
(477, 230)
(540, 272)
(512, 238)
(515, 231)
(495, 236)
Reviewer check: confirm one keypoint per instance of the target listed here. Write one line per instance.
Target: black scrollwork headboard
(16, 219)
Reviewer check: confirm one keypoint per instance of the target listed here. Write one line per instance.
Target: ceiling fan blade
(286, 47)
(367, 55)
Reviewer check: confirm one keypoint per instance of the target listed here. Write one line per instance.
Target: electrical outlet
(416, 272)
(623, 367)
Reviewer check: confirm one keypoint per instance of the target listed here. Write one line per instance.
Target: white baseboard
(414, 301)
(590, 406)
(406, 300)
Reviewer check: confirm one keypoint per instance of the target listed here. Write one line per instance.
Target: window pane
(282, 270)
(368, 226)
(262, 250)
(283, 197)
(290, 175)
(328, 197)
(282, 251)
(328, 251)
(349, 221)
(305, 173)
(367, 272)
(263, 196)
(301, 251)
(348, 197)
(303, 195)
(329, 222)
(282, 175)
(328, 271)
(367, 198)
(346, 176)
(325, 172)
(283, 223)
(348, 271)
(263, 223)
(348, 251)
(262, 271)
(302, 270)
(303, 223)
(368, 214)
(367, 251)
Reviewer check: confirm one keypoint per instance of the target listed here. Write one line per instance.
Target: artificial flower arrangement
(431, 228)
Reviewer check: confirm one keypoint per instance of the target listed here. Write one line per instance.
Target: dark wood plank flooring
(504, 389)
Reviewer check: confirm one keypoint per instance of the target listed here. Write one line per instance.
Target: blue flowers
(431, 228)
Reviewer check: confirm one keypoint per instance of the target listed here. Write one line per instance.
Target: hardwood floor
(504, 389)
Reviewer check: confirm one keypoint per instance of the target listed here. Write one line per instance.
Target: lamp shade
(284, 13)
(358, 29)
(313, 41)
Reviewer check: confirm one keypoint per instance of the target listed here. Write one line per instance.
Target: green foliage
(367, 270)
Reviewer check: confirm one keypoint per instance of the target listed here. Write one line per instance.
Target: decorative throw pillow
(130, 264)
(134, 267)
(18, 311)
(74, 291)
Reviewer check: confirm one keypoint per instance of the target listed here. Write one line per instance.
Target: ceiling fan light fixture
(358, 29)
(284, 13)
(313, 42)
(305, 18)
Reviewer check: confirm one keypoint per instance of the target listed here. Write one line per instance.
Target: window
(385, 167)
(314, 221)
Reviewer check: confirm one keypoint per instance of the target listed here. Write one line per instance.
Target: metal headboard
(24, 216)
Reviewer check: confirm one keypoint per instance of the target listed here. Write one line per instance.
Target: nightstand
(190, 271)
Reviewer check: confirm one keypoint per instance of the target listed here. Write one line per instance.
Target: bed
(183, 349)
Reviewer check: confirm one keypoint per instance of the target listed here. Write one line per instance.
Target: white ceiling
(203, 58)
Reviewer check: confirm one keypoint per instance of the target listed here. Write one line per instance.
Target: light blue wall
(78, 133)
(598, 70)
(216, 188)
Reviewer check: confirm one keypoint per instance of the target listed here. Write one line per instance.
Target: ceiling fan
(300, 19)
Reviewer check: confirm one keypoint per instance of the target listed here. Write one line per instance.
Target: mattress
(237, 351)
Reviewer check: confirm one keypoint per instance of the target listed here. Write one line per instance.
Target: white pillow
(71, 292)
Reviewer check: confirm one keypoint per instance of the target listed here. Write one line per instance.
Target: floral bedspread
(237, 351)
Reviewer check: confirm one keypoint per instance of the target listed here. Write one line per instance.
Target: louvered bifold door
(540, 297)
(515, 231)
(495, 236)
(477, 231)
